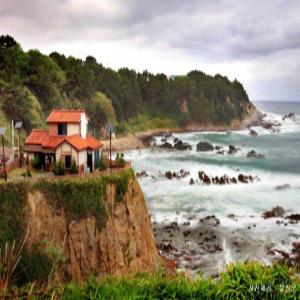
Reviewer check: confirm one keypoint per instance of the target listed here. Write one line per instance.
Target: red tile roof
(52, 141)
(93, 143)
(37, 137)
(65, 116)
(80, 143)
(42, 138)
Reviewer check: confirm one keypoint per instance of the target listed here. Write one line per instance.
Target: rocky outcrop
(204, 146)
(125, 244)
(254, 154)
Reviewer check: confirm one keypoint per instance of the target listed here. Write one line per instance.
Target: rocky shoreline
(202, 244)
(141, 140)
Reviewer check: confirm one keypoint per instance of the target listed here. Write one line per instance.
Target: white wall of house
(83, 125)
(73, 129)
(82, 157)
(66, 149)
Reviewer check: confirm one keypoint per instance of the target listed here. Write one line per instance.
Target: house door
(90, 160)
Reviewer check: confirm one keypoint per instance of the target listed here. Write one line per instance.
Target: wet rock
(218, 148)
(276, 212)
(294, 217)
(187, 233)
(231, 216)
(222, 180)
(243, 178)
(204, 146)
(201, 175)
(186, 223)
(232, 149)
(211, 220)
(221, 152)
(252, 132)
(141, 174)
(179, 145)
(282, 187)
(254, 154)
(289, 116)
(169, 174)
(166, 145)
(166, 246)
(192, 181)
(206, 179)
(233, 180)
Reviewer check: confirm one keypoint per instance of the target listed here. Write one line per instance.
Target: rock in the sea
(222, 180)
(222, 152)
(210, 220)
(252, 132)
(276, 212)
(282, 187)
(206, 179)
(254, 154)
(232, 149)
(218, 147)
(289, 116)
(204, 146)
(169, 174)
(166, 145)
(192, 181)
(294, 217)
(243, 178)
(180, 145)
(141, 174)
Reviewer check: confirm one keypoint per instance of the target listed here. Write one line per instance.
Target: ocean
(177, 200)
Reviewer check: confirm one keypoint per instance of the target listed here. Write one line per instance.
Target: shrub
(120, 160)
(58, 168)
(73, 168)
(36, 163)
(101, 164)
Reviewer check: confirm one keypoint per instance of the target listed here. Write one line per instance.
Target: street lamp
(110, 129)
(18, 126)
(2, 132)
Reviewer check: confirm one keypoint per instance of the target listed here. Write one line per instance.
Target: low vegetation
(249, 280)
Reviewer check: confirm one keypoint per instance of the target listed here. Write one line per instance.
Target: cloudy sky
(255, 41)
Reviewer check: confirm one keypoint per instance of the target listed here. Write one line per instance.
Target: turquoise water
(170, 199)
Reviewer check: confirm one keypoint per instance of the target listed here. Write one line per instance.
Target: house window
(62, 129)
(67, 161)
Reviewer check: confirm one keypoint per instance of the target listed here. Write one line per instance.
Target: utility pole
(13, 138)
(18, 126)
(2, 132)
(110, 129)
(110, 149)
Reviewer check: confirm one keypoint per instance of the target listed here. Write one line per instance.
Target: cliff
(117, 242)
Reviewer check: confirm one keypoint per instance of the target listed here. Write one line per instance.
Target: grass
(249, 280)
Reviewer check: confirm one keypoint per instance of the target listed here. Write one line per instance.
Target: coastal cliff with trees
(32, 84)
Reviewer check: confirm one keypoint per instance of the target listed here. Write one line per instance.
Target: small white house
(65, 140)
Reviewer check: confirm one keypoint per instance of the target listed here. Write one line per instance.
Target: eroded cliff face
(125, 245)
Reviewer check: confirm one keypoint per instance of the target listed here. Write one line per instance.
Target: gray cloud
(220, 31)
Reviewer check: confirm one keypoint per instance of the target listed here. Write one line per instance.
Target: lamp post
(2, 132)
(18, 126)
(110, 129)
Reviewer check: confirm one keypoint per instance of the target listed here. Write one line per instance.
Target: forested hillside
(32, 84)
